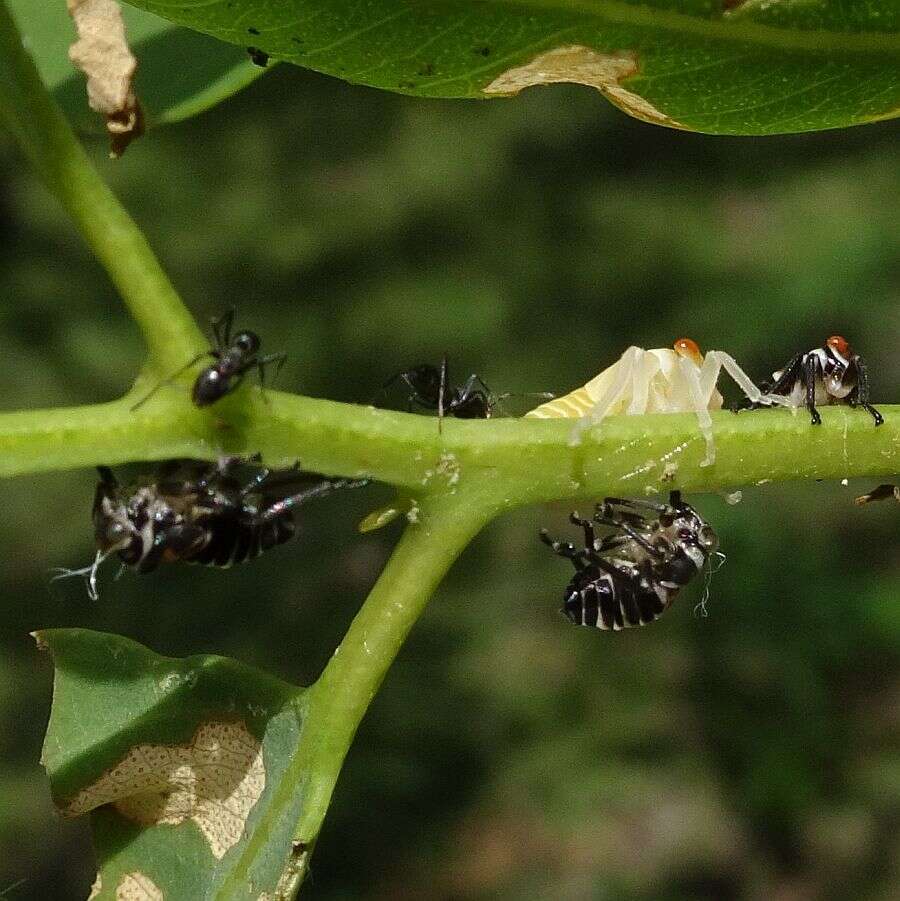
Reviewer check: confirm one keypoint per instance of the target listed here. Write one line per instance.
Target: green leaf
(182, 763)
(717, 66)
(180, 72)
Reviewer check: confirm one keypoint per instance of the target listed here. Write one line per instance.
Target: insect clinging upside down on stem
(661, 380)
(197, 512)
(631, 576)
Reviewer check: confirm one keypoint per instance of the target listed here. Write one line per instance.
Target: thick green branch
(531, 459)
(43, 133)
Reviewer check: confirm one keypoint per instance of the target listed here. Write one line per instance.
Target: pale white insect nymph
(660, 380)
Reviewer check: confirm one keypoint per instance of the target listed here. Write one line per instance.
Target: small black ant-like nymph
(234, 357)
(430, 389)
(831, 374)
(198, 512)
(631, 576)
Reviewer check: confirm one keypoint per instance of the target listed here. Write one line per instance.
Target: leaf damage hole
(214, 780)
(576, 64)
(138, 886)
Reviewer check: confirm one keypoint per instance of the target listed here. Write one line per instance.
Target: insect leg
(809, 379)
(603, 518)
(261, 363)
(565, 549)
(320, 490)
(700, 406)
(441, 389)
(468, 390)
(609, 567)
(171, 378)
(882, 492)
(106, 488)
(221, 328)
(646, 367)
(622, 381)
(473, 380)
(590, 539)
(784, 384)
(637, 502)
(862, 390)
(743, 381)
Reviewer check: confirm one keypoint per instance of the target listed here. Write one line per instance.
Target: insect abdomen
(609, 604)
(573, 405)
(236, 540)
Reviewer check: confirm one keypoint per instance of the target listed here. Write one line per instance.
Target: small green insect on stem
(46, 138)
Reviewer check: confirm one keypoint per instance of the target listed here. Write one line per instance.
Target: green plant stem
(46, 138)
(531, 459)
(337, 702)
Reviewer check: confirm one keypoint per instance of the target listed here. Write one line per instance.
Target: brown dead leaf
(103, 54)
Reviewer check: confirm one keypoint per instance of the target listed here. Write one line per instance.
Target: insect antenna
(541, 395)
(89, 573)
(700, 608)
(170, 379)
(441, 390)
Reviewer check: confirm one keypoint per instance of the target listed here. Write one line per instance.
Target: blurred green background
(751, 754)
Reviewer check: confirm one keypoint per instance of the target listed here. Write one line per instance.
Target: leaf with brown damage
(214, 780)
(180, 764)
(713, 67)
(103, 54)
(582, 65)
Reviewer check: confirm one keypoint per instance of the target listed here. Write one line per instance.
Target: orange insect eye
(687, 347)
(836, 342)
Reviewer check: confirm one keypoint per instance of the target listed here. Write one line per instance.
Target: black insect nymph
(430, 389)
(830, 374)
(197, 512)
(631, 576)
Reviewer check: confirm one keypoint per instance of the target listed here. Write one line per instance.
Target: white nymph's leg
(742, 380)
(645, 368)
(700, 405)
(621, 383)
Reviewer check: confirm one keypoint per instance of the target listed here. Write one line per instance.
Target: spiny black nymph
(631, 576)
(198, 512)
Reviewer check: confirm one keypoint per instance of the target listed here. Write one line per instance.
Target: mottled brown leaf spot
(214, 780)
(137, 887)
(103, 54)
(581, 65)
